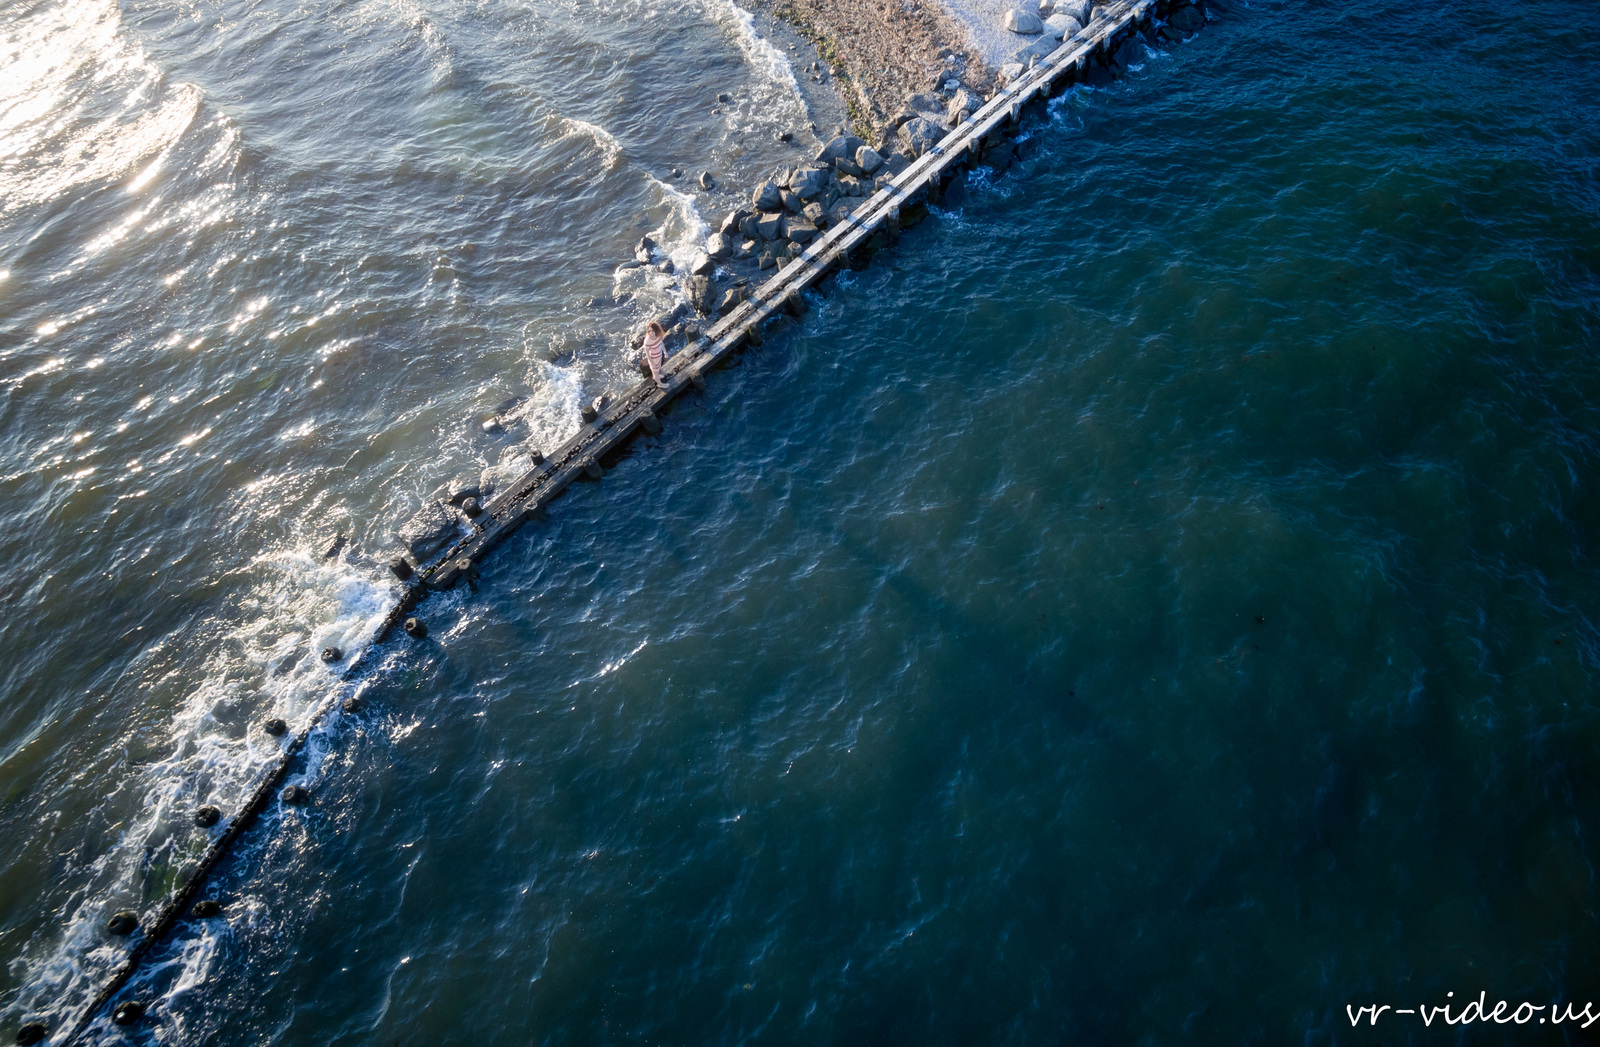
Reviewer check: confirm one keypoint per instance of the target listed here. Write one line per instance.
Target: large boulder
(701, 264)
(1040, 48)
(1061, 27)
(868, 159)
(842, 147)
(919, 135)
(767, 226)
(809, 182)
(800, 231)
(963, 105)
(1078, 10)
(792, 202)
(701, 295)
(1020, 21)
(748, 227)
(730, 224)
(429, 530)
(719, 246)
(767, 196)
(929, 105)
(817, 213)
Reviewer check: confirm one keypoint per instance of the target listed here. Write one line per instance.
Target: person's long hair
(654, 328)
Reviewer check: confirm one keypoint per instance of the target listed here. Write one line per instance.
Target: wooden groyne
(987, 137)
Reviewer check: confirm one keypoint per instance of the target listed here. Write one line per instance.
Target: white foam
(604, 140)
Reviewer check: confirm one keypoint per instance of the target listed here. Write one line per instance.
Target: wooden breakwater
(987, 137)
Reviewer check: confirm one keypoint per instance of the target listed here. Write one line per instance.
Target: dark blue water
(1156, 604)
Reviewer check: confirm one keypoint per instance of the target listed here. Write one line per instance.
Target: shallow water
(1155, 604)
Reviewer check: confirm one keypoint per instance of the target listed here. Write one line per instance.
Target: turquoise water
(1155, 604)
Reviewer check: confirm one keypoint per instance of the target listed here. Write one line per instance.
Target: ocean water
(1155, 604)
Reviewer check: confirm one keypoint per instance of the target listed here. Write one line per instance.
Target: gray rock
(1129, 53)
(428, 531)
(1061, 26)
(701, 264)
(719, 246)
(801, 231)
(730, 224)
(843, 147)
(926, 104)
(706, 180)
(1020, 21)
(731, 300)
(809, 182)
(1039, 49)
(868, 159)
(850, 186)
(463, 487)
(792, 202)
(767, 196)
(767, 226)
(747, 227)
(725, 98)
(701, 295)
(645, 250)
(1078, 10)
(963, 105)
(1009, 72)
(919, 135)
(747, 249)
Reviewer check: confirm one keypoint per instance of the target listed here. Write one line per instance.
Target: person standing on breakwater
(655, 350)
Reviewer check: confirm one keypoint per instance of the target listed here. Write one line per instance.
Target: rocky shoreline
(797, 201)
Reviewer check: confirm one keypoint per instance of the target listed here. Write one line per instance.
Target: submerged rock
(1186, 19)
(1020, 21)
(706, 181)
(644, 250)
(428, 531)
